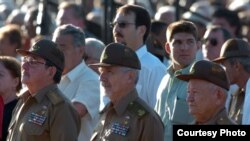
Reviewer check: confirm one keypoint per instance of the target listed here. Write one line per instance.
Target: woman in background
(10, 85)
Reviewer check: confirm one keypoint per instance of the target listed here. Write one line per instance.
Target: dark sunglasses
(120, 24)
(212, 41)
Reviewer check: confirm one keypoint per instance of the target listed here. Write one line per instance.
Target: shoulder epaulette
(137, 109)
(54, 97)
(224, 121)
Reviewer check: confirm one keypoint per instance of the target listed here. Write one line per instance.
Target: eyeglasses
(31, 61)
(120, 24)
(212, 41)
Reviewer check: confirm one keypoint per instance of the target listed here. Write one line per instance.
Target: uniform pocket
(33, 129)
(35, 124)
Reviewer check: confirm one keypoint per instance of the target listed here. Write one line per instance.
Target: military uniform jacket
(46, 116)
(129, 120)
(236, 106)
(220, 118)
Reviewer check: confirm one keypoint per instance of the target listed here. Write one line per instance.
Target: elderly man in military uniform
(43, 113)
(207, 92)
(235, 56)
(126, 117)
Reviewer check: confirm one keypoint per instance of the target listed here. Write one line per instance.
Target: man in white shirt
(131, 27)
(79, 83)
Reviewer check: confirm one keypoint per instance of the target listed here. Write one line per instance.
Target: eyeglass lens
(120, 24)
(31, 61)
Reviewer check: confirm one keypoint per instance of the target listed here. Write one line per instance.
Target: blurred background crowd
(35, 19)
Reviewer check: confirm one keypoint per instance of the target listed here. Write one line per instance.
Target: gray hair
(77, 34)
(137, 72)
(93, 48)
(212, 87)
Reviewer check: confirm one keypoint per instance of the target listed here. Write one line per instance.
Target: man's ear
(220, 96)
(52, 71)
(142, 29)
(167, 48)
(238, 66)
(82, 50)
(131, 76)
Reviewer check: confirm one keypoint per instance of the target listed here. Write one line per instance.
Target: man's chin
(120, 40)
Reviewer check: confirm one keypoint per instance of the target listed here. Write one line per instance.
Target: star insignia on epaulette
(36, 47)
(141, 112)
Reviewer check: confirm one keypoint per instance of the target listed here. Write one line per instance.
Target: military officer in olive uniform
(127, 117)
(207, 92)
(235, 56)
(43, 113)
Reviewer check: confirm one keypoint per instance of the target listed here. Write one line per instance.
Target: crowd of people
(60, 81)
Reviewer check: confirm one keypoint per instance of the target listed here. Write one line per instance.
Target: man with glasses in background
(131, 27)
(213, 40)
(42, 112)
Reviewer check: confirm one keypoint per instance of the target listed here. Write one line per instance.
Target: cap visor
(100, 65)
(22, 52)
(25, 52)
(218, 59)
(187, 77)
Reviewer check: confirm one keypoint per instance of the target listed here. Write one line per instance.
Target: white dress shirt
(82, 85)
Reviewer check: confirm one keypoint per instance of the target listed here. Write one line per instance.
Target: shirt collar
(73, 74)
(185, 70)
(122, 105)
(40, 94)
(219, 116)
(141, 51)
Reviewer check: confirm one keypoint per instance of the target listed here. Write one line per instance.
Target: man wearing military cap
(207, 83)
(126, 117)
(235, 56)
(42, 112)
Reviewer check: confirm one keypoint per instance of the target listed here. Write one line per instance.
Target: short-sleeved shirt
(131, 119)
(81, 85)
(47, 115)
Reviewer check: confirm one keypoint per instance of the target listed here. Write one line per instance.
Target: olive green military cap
(47, 50)
(233, 48)
(116, 54)
(209, 71)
